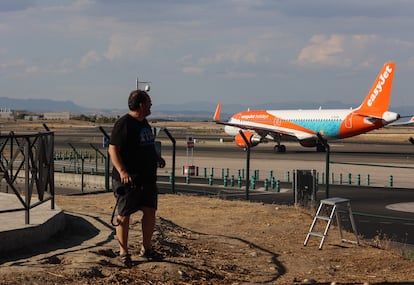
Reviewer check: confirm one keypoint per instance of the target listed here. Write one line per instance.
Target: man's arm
(161, 162)
(119, 164)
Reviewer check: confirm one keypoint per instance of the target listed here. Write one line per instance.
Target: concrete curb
(15, 234)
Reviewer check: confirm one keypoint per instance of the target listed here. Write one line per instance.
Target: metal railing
(27, 167)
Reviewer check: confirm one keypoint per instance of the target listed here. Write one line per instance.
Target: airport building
(6, 113)
(56, 116)
(31, 117)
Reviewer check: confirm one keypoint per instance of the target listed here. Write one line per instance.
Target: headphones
(135, 98)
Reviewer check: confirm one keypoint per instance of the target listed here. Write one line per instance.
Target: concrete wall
(70, 180)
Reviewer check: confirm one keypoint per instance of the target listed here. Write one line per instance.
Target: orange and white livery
(305, 125)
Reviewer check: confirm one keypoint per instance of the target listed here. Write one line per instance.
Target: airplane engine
(390, 117)
(312, 143)
(254, 139)
(308, 143)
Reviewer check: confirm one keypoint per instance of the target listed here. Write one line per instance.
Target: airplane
(310, 127)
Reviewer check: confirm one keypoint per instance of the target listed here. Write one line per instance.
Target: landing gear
(320, 148)
(279, 148)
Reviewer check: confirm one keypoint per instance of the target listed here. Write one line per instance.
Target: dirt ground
(203, 240)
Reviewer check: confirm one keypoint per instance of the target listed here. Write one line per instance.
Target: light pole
(147, 87)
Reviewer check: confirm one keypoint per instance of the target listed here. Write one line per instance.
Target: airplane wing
(273, 131)
(410, 122)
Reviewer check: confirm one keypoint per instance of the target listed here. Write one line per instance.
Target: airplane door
(348, 121)
(277, 121)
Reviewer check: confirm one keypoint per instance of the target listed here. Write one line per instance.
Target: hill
(195, 110)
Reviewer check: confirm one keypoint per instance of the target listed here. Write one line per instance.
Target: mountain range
(196, 110)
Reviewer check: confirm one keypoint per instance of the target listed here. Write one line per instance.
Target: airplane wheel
(280, 148)
(320, 148)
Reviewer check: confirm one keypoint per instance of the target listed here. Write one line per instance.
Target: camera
(121, 189)
(124, 189)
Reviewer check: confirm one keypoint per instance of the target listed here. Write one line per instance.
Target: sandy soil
(203, 240)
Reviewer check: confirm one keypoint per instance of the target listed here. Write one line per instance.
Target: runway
(373, 161)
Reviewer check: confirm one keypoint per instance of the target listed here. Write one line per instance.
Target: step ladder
(334, 204)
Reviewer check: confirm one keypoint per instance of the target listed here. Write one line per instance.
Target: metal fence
(26, 168)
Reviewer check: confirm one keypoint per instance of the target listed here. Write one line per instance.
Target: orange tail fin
(378, 98)
(216, 116)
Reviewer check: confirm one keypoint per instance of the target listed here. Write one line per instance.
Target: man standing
(135, 160)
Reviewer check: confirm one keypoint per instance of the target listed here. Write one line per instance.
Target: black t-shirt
(137, 149)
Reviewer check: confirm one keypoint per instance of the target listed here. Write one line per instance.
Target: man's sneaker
(149, 254)
(126, 260)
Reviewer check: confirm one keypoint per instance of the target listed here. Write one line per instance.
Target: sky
(91, 52)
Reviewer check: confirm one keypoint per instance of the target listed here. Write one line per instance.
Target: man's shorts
(133, 198)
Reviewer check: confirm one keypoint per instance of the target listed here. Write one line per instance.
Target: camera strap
(113, 212)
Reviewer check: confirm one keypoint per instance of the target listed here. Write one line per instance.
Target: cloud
(12, 67)
(322, 50)
(15, 5)
(356, 50)
(89, 59)
(19, 68)
(236, 58)
(222, 40)
(124, 46)
(192, 70)
(350, 8)
(233, 55)
(239, 75)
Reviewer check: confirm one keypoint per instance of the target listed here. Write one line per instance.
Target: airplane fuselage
(332, 123)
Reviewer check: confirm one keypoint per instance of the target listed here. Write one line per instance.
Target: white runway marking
(402, 207)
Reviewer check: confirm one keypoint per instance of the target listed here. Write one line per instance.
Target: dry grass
(206, 241)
